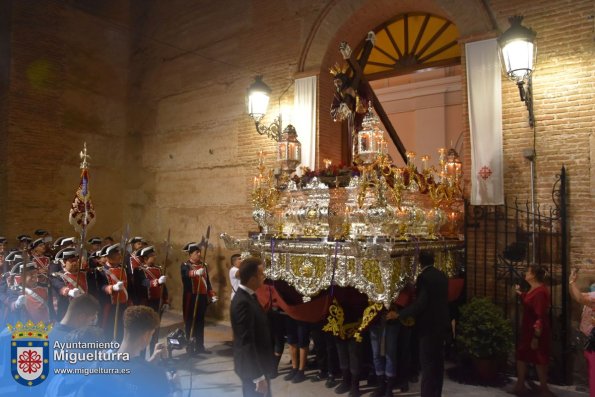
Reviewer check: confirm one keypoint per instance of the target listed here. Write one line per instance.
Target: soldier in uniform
(7, 282)
(152, 280)
(95, 243)
(68, 242)
(94, 280)
(41, 232)
(37, 255)
(11, 259)
(47, 239)
(113, 282)
(32, 304)
(132, 262)
(93, 263)
(37, 252)
(56, 246)
(108, 240)
(68, 281)
(63, 242)
(24, 241)
(197, 287)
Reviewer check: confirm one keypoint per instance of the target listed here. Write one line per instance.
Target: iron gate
(500, 241)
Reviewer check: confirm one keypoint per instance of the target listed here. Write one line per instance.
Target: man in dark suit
(430, 310)
(253, 350)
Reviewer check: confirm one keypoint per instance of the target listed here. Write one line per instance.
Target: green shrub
(482, 330)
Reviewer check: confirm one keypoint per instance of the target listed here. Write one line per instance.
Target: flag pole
(82, 214)
(83, 232)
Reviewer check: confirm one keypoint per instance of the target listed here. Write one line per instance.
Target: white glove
(118, 286)
(162, 279)
(214, 299)
(165, 307)
(199, 272)
(20, 302)
(74, 293)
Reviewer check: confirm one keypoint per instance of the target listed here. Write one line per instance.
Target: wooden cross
(358, 79)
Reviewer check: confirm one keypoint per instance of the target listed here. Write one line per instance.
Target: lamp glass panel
(282, 151)
(518, 58)
(258, 102)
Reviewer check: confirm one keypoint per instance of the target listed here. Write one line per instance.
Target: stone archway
(349, 20)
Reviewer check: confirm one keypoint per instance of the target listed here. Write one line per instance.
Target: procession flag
(485, 122)
(82, 213)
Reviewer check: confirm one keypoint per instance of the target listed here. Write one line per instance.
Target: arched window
(414, 69)
(411, 42)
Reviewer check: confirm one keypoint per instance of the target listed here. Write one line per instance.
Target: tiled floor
(212, 375)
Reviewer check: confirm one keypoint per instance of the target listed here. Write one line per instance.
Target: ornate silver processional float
(342, 232)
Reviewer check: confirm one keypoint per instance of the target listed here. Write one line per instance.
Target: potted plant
(484, 337)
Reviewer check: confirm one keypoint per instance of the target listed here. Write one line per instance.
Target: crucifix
(358, 82)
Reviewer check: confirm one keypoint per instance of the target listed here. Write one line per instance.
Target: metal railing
(501, 241)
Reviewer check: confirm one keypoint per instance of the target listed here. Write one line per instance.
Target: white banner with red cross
(485, 121)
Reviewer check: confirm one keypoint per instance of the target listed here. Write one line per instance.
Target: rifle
(167, 243)
(82, 253)
(191, 337)
(122, 273)
(83, 233)
(26, 258)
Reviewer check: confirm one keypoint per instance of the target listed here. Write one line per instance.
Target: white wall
(425, 109)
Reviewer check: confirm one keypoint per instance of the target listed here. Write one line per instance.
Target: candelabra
(264, 196)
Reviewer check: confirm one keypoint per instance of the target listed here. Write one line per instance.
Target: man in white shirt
(234, 276)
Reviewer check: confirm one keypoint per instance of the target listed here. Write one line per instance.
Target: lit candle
(398, 174)
(255, 183)
(327, 163)
(375, 142)
(410, 158)
(424, 162)
(364, 144)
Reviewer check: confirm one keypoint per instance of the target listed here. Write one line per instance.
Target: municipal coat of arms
(29, 352)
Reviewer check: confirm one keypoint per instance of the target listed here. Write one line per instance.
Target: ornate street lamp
(258, 102)
(518, 53)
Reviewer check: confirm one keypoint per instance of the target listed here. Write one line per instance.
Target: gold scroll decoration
(370, 314)
(335, 323)
(371, 272)
(309, 267)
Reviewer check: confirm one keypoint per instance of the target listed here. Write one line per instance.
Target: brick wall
(68, 84)
(5, 26)
(563, 86)
(199, 147)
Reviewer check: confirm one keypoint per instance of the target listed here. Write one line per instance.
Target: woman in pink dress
(534, 343)
(587, 321)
